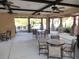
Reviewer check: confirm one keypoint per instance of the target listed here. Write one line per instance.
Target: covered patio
(23, 23)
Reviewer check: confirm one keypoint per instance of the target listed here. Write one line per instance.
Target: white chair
(54, 51)
(42, 39)
(69, 50)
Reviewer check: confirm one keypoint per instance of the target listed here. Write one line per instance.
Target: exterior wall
(7, 23)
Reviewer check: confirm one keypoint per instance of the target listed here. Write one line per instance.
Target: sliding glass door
(35, 23)
(21, 24)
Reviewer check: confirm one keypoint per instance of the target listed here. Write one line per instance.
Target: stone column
(60, 29)
(78, 34)
(29, 26)
(73, 26)
(78, 26)
(52, 25)
(41, 23)
(48, 24)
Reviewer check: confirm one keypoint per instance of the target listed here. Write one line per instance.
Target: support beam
(49, 2)
(27, 10)
(53, 3)
(42, 8)
(67, 4)
(39, 1)
(22, 9)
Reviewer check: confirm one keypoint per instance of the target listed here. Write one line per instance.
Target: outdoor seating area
(56, 45)
(39, 29)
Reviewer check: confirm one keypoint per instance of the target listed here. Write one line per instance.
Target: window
(35, 23)
(21, 24)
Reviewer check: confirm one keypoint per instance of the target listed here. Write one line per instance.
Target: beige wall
(7, 23)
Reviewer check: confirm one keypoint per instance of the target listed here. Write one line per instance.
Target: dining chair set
(53, 46)
(5, 36)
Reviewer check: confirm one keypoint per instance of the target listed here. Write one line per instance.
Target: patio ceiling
(44, 6)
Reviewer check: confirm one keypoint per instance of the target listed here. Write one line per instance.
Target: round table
(55, 42)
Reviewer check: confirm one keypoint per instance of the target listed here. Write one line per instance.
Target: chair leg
(74, 54)
(39, 49)
(61, 52)
(47, 52)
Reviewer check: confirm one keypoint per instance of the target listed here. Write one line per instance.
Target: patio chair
(54, 51)
(42, 39)
(55, 37)
(34, 31)
(69, 50)
(3, 36)
(8, 34)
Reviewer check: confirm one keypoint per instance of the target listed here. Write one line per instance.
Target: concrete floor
(23, 46)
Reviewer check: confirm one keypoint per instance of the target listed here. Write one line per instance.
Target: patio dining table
(55, 42)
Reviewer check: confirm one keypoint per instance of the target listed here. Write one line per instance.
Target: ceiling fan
(57, 9)
(8, 5)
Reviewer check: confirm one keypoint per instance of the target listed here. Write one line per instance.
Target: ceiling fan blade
(56, 12)
(61, 7)
(9, 3)
(14, 6)
(61, 11)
